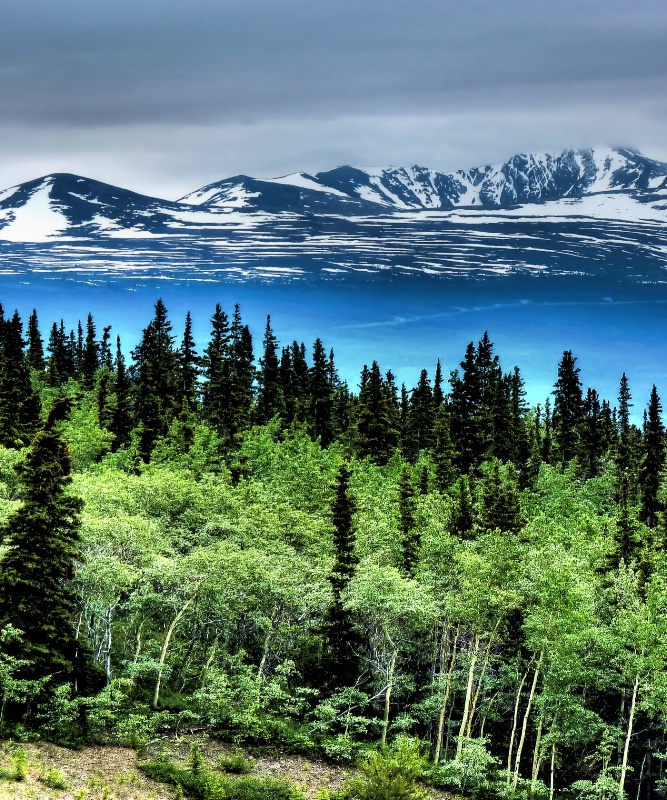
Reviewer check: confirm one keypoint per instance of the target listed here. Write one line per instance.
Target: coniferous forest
(225, 537)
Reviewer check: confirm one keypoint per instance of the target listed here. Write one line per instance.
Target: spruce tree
(269, 394)
(438, 394)
(410, 538)
(463, 511)
(35, 353)
(287, 386)
(156, 390)
(216, 364)
(242, 376)
(592, 435)
(103, 385)
(56, 371)
(464, 401)
(376, 424)
(320, 403)
(443, 455)
(90, 356)
(501, 509)
(120, 423)
(420, 419)
(342, 659)
(19, 404)
(653, 461)
(626, 527)
(42, 551)
(188, 367)
(105, 356)
(547, 440)
(568, 408)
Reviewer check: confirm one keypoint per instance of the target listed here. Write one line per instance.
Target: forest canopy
(203, 538)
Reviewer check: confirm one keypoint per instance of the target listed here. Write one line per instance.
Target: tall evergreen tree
(464, 403)
(568, 408)
(242, 376)
(35, 352)
(216, 366)
(547, 439)
(19, 404)
(90, 357)
(71, 364)
(188, 366)
(40, 559)
(443, 455)
(501, 509)
(376, 429)
(120, 423)
(463, 512)
(653, 461)
(105, 355)
(438, 394)
(626, 526)
(156, 393)
(342, 662)
(56, 372)
(420, 418)
(592, 435)
(410, 539)
(320, 403)
(269, 394)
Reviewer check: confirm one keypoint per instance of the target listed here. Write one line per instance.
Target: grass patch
(210, 786)
(236, 763)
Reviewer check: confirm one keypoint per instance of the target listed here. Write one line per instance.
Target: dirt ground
(112, 773)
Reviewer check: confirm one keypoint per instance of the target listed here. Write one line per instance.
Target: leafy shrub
(196, 761)
(167, 772)
(388, 774)
(54, 779)
(236, 763)
(209, 786)
(251, 788)
(20, 764)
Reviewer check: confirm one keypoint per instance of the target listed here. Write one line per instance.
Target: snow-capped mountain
(533, 178)
(64, 204)
(586, 212)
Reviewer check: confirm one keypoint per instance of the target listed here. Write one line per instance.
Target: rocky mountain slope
(590, 212)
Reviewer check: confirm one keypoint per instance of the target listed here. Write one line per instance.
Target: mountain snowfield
(589, 212)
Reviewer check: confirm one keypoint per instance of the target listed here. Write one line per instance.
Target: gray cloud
(170, 93)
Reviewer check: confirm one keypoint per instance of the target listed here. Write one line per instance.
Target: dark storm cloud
(174, 92)
(83, 62)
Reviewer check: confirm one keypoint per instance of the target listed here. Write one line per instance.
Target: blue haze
(405, 325)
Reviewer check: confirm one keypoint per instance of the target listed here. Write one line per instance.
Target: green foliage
(342, 723)
(54, 779)
(20, 764)
(211, 786)
(237, 763)
(196, 762)
(40, 559)
(391, 773)
(61, 717)
(474, 772)
(222, 574)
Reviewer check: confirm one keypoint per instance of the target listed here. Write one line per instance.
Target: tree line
(257, 548)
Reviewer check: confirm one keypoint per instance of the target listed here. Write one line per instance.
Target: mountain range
(596, 212)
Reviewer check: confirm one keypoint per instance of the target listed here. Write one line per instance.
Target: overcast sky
(163, 96)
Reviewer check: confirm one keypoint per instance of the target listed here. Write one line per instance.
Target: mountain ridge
(591, 212)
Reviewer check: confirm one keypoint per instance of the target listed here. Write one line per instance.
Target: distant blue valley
(547, 252)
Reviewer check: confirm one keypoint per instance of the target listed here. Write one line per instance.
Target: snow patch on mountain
(304, 181)
(36, 220)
